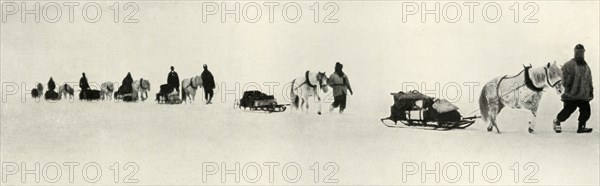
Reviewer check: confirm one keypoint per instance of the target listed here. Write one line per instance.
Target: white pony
(106, 90)
(189, 87)
(141, 86)
(37, 92)
(306, 86)
(65, 90)
(523, 90)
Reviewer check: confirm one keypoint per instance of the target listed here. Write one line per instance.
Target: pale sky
(378, 50)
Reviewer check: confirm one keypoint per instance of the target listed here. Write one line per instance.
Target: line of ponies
(520, 91)
(108, 91)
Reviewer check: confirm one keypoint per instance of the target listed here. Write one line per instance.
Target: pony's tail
(296, 101)
(293, 96)
(483, 105)
(183, 97)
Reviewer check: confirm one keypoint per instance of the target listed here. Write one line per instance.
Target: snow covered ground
(192, 144)
(170, 143)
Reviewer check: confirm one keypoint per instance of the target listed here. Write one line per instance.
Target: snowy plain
(171, 144)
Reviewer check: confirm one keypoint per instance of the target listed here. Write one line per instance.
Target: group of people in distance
(172, 80)
(208, 82)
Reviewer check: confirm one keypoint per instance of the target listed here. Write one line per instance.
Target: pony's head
(554, 77)
(322, 78)
(40, 87)
(146, 84)
(110, 86)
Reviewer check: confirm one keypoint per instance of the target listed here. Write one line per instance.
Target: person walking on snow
(341, 85)
(83, 82)
(173, 79)
(208, 83)
(579, 91)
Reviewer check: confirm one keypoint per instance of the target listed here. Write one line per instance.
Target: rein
(548, 79)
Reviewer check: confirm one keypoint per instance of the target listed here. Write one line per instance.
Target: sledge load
(258, 101)
(168, 95)
(416, 109)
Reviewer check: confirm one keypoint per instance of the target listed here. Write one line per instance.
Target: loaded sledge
(257, 101)
(416, 109)
(168, 95)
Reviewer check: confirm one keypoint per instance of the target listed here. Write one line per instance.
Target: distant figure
(579, 91)
(173, 79)
(66, 90)
(208, 83)
(86, 92)
(106, 90)
(51, 94)
(126, 87)
(83, 82)
(38, 91)
(51, 84)
(340, 84)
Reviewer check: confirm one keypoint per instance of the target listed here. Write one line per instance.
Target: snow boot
(557, 127)
(582, 128)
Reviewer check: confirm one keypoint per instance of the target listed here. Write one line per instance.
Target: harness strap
(529, 82)
(308, 80)
(192, 83)
(515, 89)
(141, 83)
(498, 86)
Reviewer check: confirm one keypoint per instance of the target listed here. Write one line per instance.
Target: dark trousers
(339, 101)
(570, 106)
(208, 94)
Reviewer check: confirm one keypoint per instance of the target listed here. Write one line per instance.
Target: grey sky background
(379, 51)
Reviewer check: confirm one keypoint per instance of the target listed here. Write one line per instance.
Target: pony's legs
(492, 118)
(532, 122)
(142, 96)
(187, 96)
(493, 113)
(493, 122)
(307, 106)
(533, 108)
(193, 96)
(319, 99)
(305, 101)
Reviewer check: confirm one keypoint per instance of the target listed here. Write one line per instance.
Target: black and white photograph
(299, 92)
